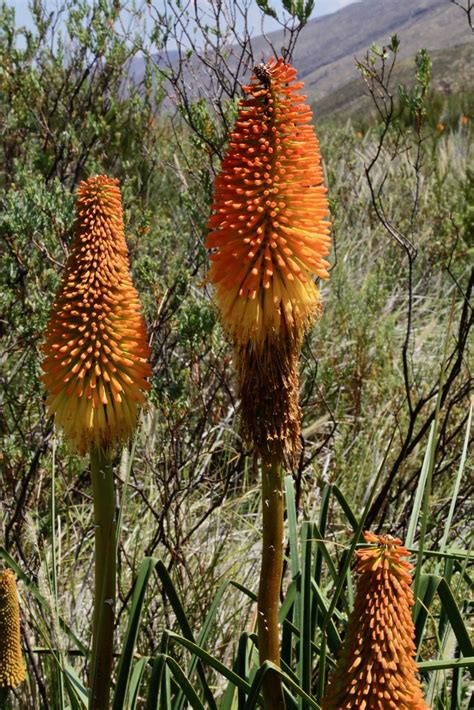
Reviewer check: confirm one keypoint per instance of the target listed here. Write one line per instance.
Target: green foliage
(189, 492)
(414, 101)
(267, 9)
(298, 9)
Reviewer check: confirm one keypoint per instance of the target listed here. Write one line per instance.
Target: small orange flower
(269, 228)
(96, 351)
(269, 234)
(377, 666)
(12, 667)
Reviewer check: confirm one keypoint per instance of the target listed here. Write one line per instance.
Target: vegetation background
(386, 372)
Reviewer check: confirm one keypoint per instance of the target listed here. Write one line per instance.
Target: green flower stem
(105, 579)
(270, 579)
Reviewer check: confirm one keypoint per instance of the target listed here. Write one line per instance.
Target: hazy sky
(322, 7)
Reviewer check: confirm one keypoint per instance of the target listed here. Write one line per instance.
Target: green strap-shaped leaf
(288, 682)
(304, 656)
(333, 638)
(455, 619)
(211, 661)
(185, 628)
(349, 513)
(292, 525)
(78, 695)
(184, 684)
(203, 636)
(449, 663)
(125, 664)
(154, 686)
(135, 681)
(428, 587)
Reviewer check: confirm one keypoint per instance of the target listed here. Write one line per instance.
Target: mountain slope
(326, 47)
(324, 54)
(451, 74)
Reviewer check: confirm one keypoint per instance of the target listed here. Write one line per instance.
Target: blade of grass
(420, 489)
(292, 525)
(428, 587)
(350, 515)
(205, 630)
(154, 687)
(305, 596)
(448, 664)
(75, 688)
(211, 661)
(128, 647)
(135, 681)
(185, 627)
(266, 667)
(165, 690)
(356, 536)
(455, 619)
(429, 460)
(333, 638)
(202, 638)
(184, 684)
(241, 667)
(457, 484)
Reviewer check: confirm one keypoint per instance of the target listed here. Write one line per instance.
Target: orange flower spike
(12, 667)
(269, 228)
(269, 234)
(96, 351)
(377, 666)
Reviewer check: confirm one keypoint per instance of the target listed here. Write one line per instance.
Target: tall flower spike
(96, 352)
(377, 666)
(268, 235)
(12, 668)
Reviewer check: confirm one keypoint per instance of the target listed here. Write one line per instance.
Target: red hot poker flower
(96, 351)
(269, 234)
(377, 668)
(269, 228)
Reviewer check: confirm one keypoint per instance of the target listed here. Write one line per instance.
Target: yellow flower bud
(96, 351)
(12, 667)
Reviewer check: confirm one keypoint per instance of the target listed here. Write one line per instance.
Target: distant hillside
(326, 47)
(451, 74)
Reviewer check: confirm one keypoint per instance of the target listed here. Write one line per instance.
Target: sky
(322, 7)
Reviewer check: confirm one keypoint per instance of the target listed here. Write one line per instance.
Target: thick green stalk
(105, 579)
(270, 579)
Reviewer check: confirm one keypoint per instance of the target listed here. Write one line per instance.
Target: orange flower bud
(96, 351)
(269, 234)
(12, 668)
(377, 666)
